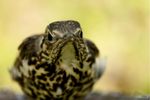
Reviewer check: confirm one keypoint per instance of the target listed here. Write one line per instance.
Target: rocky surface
(10, 95)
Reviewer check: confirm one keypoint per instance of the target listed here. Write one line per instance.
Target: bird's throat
(68, 53)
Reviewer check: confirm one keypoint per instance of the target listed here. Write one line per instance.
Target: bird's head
(64, 38)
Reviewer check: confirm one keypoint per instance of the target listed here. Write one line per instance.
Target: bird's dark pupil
(50, 37)
(81, 34)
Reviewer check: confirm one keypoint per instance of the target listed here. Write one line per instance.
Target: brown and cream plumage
(58, 64)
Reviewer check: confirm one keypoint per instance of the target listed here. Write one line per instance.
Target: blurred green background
(118, 27)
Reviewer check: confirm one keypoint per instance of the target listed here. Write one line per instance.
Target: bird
(58, 64)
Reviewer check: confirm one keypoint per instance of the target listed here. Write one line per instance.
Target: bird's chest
(68, 76)
(65, 79)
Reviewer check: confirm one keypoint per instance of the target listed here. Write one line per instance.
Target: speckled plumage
(58, 64)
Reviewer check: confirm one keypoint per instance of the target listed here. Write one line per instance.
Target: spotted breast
(58, 64)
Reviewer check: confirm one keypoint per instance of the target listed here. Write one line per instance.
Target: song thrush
(58, 64)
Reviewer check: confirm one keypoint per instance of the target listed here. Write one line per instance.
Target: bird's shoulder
(30, 45)
(93, 49)
(27, 49)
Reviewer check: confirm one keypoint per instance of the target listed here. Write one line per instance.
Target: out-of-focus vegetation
(118, 27)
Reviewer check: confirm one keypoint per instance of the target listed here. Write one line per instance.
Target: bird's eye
(81, 34)
(50, 38)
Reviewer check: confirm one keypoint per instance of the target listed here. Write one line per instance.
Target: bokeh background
(118, 27)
